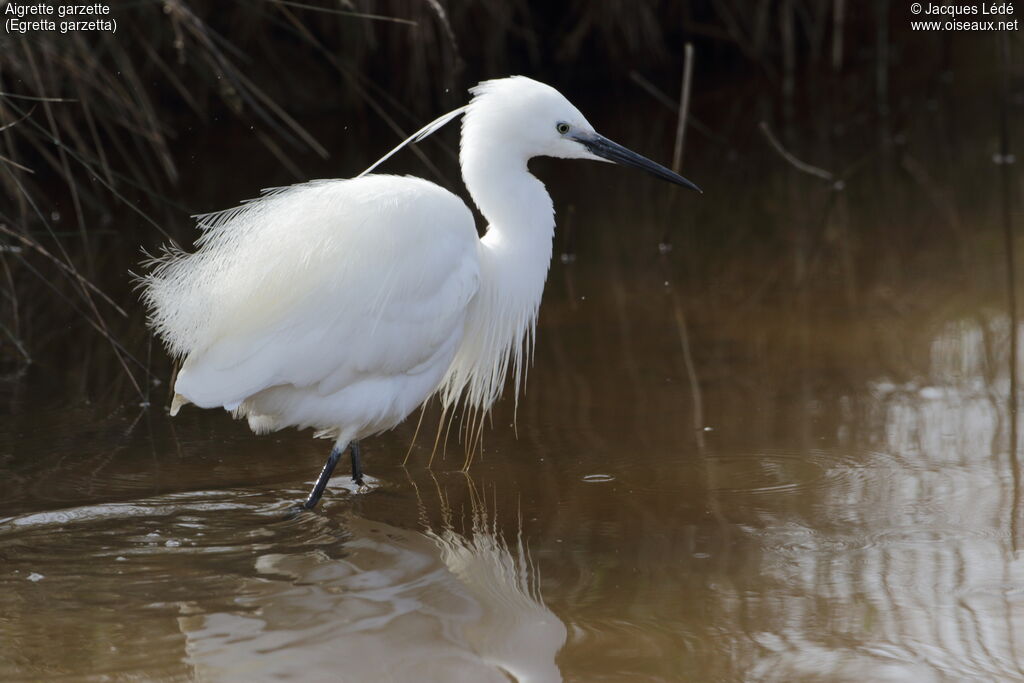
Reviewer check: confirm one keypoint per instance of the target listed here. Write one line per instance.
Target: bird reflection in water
(401, 605)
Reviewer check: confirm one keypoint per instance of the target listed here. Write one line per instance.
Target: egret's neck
(514, 258)
(519, 212)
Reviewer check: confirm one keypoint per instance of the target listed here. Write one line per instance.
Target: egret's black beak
(614, 152)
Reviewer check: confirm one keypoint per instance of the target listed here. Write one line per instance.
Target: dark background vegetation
(109, 142)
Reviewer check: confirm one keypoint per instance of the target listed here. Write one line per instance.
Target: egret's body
(343, 305)
(346, 331)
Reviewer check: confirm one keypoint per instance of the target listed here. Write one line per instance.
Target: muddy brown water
(769, 459)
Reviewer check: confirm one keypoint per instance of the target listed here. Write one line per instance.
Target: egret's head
(522, 117)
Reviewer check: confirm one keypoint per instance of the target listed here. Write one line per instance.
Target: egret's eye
(562, 128)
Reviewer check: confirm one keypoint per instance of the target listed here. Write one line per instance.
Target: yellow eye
(562, 128)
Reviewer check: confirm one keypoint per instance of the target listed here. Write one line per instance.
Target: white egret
(343, 305)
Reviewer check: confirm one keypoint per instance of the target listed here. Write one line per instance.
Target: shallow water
(744, 460)
(829, 521)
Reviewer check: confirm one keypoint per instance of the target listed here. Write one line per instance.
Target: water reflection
(275, 598)
(871, 538)
(399, 605)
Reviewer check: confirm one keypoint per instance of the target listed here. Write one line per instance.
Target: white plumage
(344, 304)
(290, 318)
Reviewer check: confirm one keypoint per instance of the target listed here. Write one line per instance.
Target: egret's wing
(317, 285)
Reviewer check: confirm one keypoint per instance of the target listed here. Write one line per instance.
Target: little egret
(343, 305)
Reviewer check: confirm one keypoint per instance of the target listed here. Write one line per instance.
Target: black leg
(321, 482)
(357, 464)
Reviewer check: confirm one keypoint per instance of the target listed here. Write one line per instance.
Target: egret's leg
(357, 464)
(321, 482)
